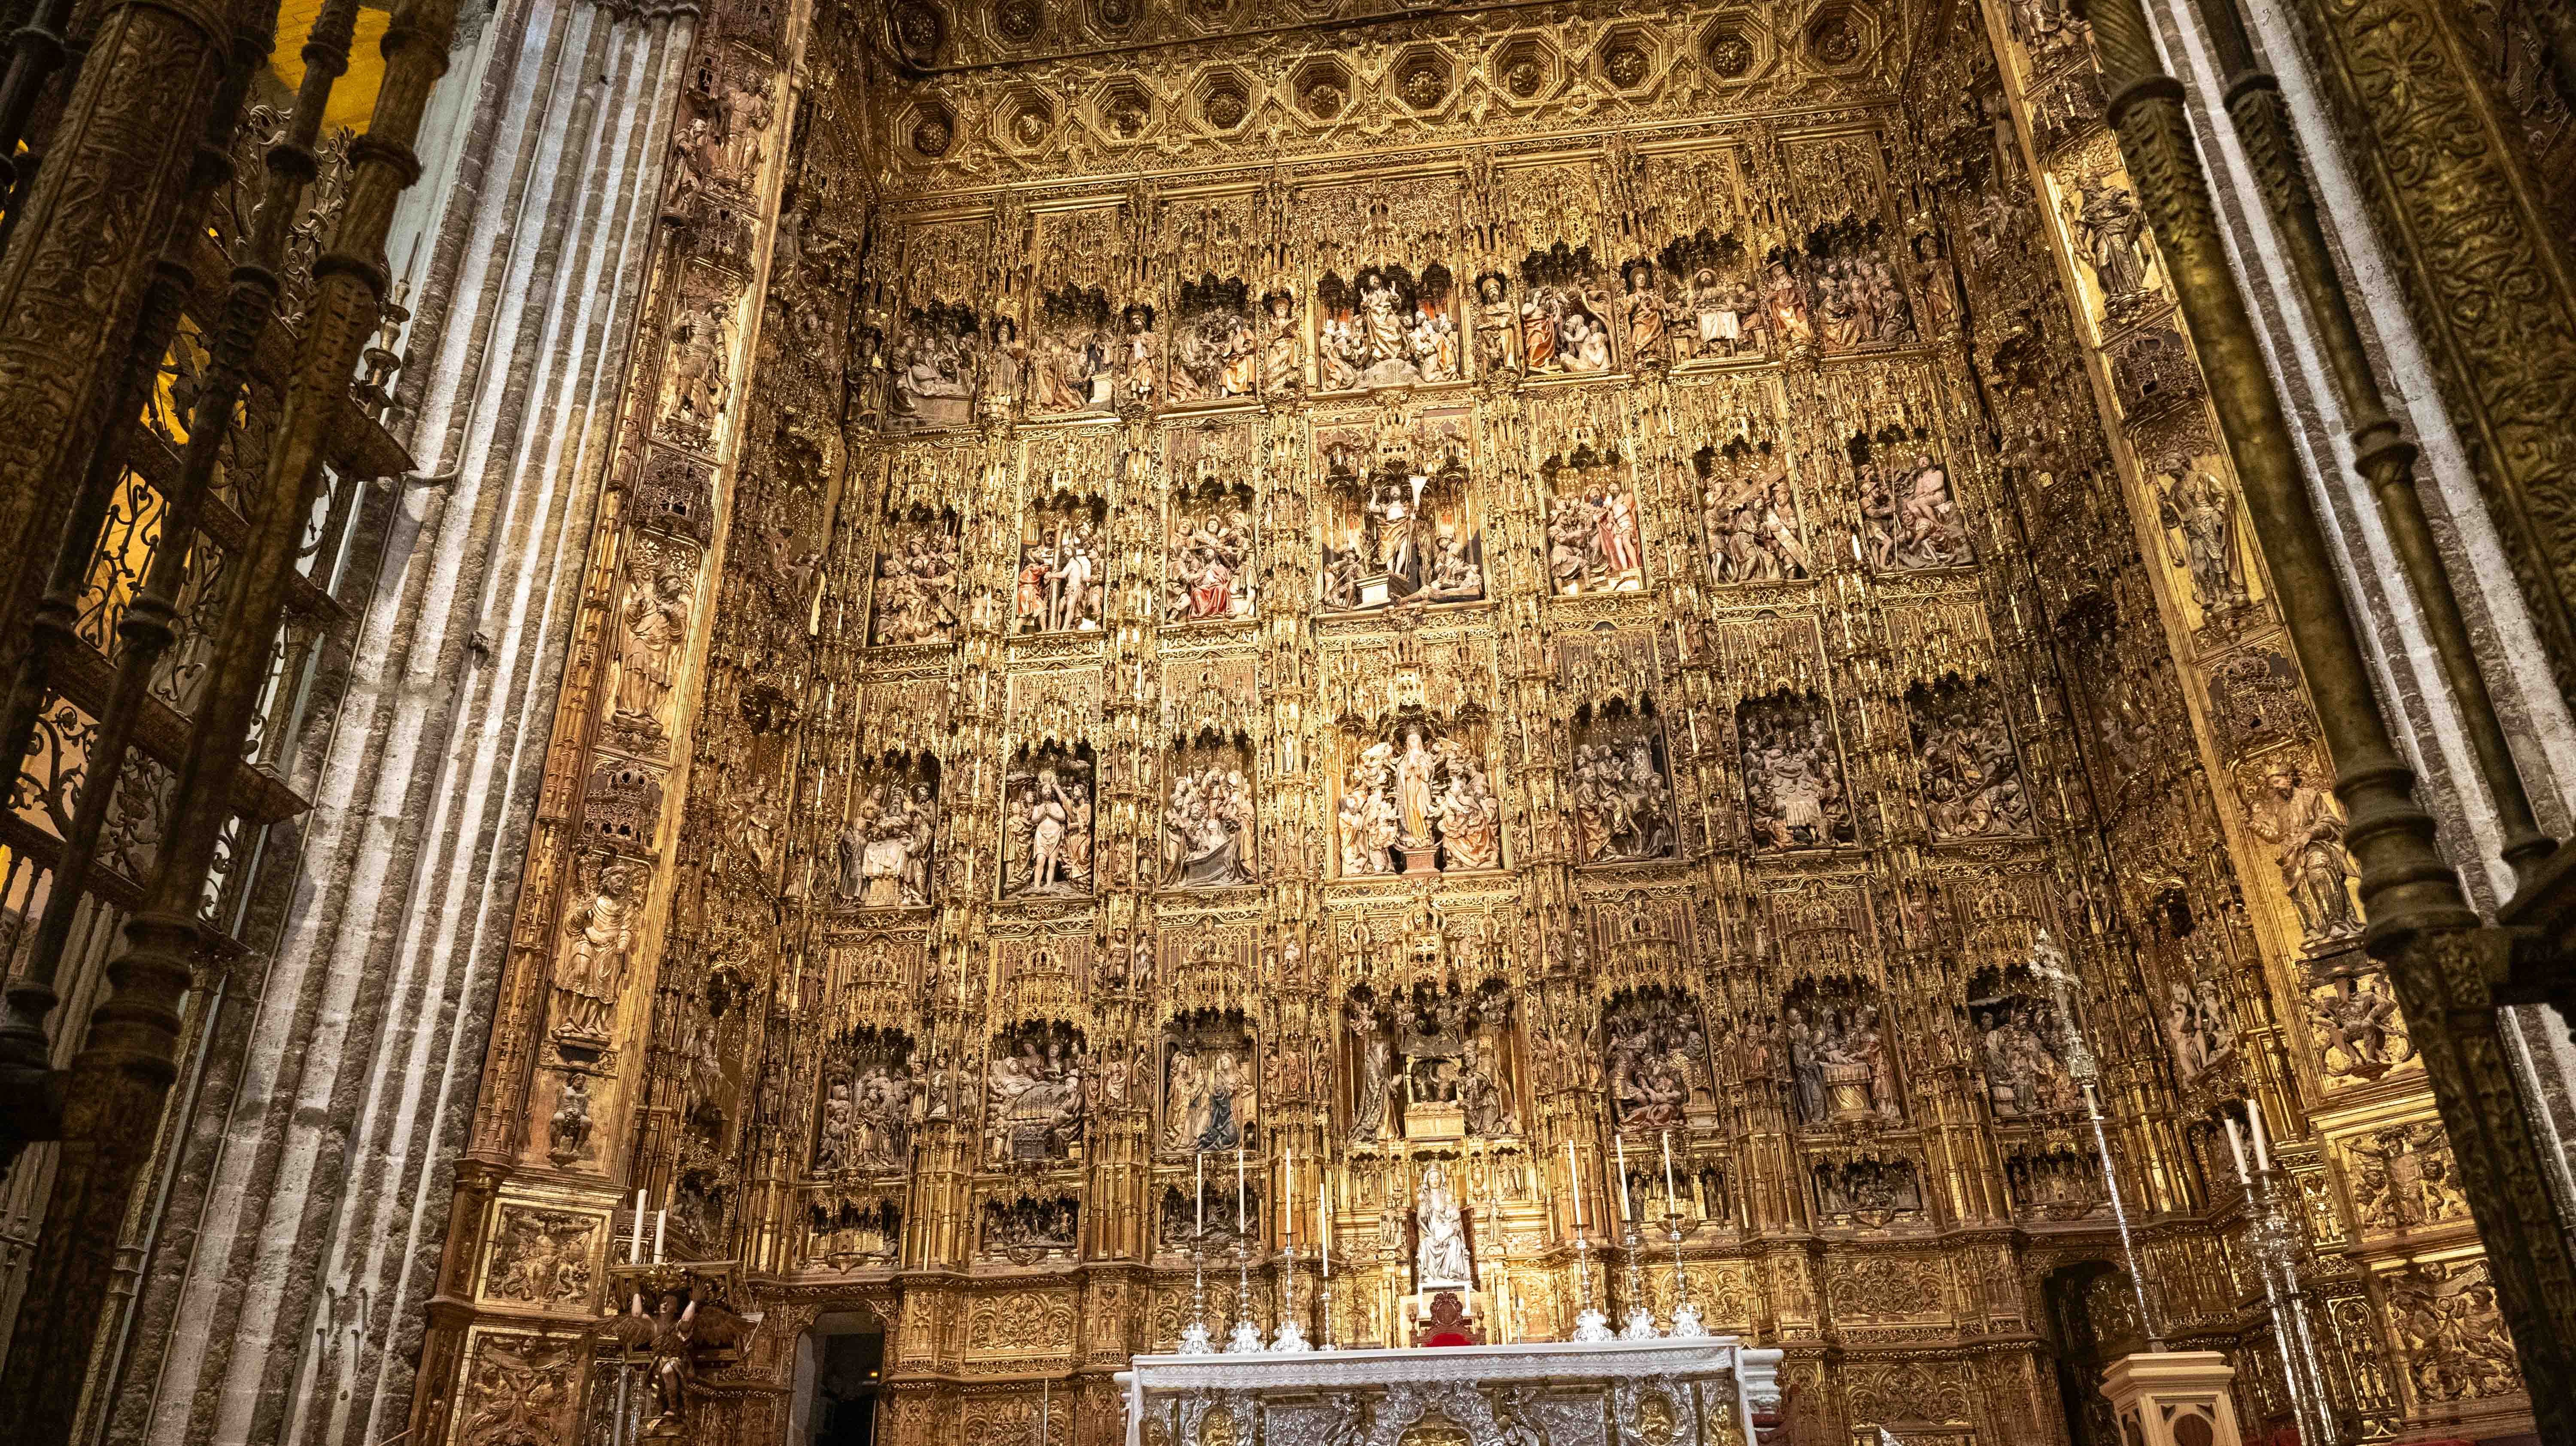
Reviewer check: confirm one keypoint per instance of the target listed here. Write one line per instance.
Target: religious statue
(1056, 588)
(1970, 771)
(1424, 809)
(1207, 827)
(1207, 560)
(667, 1331)
(1756, 529)
(2114, 233)
(2017, 1038)
(698, 387)
(1035, 1104)
(916, 584)
(1657, 1060)
(1497, 327)
(2359, 1033)
(884, 848)
(1440, 1257)
(935, 365)
(657, 623)
(1643, 309)
(600, 931)
(1373, 1064)
(1792, 775)
(2200, 1025)
(2304, 826)
(2198, 513)
(1593, 541)
(1047, 815)
(1623, 804)
(1842, 1063)
(832, 1135)
(1911, 517)
(1283, 367)
(1209, 1096)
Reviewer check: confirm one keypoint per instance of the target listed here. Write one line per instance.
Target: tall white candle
(1672, 1201)
(2262, 1137)
(635, 1247)
(1574, 1168)
(1201, 1158)
(1288, 1197)
(1619, 1147)
(2236, 1147)
(1242, 1221)
(1324, 1222)
(661, 1221)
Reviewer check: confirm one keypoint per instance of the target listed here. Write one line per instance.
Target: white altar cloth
(1619, 1367)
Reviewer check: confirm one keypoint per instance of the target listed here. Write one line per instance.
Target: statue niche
(1207, 554)
(2055, 1182)
(848, 1232)
(1025, 1228)
(598, 938)
(1793, 775)
(1756, 524)
(1867, 1189)
(1910, 517)
(1970, 772)
(1842, 1055)
(1033, 1096)
(884, 849)
(1707, 290)
(870, 1086)
(1433, 1063)
(2021, 1042)
(1656, 1055)
(1059, 585)
(1210, 1085)
(1858, 299)
(1593, 540)
(1394, 536)
(1564, 316)
(1046, 818)
(1623, 796)
(916, 583)
(1207, 819)
(1417, 801)
(1073, 368)
(1698, 1191)
(1386, 328)
(1177, 1221)
(1216, 350)
(936, 367)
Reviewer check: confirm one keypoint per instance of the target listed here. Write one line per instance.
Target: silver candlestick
(1290, 1338)
(1247, 1335)
(1686, 1320)
(1640, 1325)
(2273, 1235)
(1195, 1340)
(1590, 1324)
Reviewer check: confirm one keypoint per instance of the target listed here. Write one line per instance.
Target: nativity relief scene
(1299, 696)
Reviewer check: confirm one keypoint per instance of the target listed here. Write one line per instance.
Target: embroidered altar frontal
(1712, 1391)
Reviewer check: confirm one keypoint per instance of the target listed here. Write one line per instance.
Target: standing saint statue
(1440, 1259)
(1413, 797)
(657, 618)
(2305, 829)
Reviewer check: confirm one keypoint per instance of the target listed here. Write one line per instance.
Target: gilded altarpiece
(1411, 597)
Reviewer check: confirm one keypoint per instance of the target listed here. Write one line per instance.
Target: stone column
(526, 248)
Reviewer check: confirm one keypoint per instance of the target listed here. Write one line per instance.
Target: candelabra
(1324, 1316)
(1195, 1340)
(1247, 1335)
(1640, 1325)
(2273, 1237)
(1290, 1338)
(1591, 1324)
(1685, 1313)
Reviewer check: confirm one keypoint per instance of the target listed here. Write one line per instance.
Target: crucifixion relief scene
(1288, 723)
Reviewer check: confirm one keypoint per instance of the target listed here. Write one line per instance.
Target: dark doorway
(2092, 1321)
(848, 1369)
